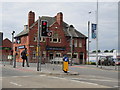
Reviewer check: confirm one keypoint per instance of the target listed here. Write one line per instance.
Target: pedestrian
(24, 57)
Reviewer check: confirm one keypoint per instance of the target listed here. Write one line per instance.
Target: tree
(106, 51)
(112, 50)
(99, 51)
(94, 51)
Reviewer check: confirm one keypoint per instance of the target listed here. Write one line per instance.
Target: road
(89, 77)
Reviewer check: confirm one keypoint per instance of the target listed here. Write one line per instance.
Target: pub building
(57, 45)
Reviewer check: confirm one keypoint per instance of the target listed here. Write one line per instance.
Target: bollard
(14, 61)
(101, 63)
(65, 64)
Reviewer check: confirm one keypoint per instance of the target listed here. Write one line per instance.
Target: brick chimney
(59, 18)
(31, 18)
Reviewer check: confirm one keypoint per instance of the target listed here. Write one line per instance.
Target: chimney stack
(31, 18)
(25, 27)
(59, 18)
(71, 28)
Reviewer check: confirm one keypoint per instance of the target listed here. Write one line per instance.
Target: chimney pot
(31, 18)
(59, 18)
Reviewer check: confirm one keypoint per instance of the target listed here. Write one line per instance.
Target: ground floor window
(34, 55)
(58, 54)
(75, 55)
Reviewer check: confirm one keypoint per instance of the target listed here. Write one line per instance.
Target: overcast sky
(15, 16)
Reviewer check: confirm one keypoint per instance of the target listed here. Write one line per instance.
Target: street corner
(73, 73)
(63, 73)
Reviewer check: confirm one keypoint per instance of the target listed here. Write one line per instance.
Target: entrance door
(81, 58)
(51, 55)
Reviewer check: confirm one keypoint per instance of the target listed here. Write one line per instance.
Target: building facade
(1, 39)
(56, 46)
(6, 49)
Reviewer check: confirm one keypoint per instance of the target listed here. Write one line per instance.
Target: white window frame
(42, 39)
(75, 43)
(59, 54)
(35, 39)
(80, 43)
(58, 40)
(76, 54)
(34, 57)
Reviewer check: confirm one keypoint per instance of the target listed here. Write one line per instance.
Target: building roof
(68, 31)
(22, 33)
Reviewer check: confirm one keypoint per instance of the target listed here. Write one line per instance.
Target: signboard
(55, 48)
(21, 47)
(5, 48)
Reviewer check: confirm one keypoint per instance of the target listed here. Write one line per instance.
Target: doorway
(81, 58)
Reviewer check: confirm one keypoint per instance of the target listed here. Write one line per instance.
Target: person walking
(24, 57)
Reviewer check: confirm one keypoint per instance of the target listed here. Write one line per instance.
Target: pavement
(112, 68)
(49, 69)
(56, 69)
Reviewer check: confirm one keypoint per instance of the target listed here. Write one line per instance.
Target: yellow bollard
(65, 64)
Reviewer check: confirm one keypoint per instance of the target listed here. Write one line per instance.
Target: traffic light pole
(38, 47)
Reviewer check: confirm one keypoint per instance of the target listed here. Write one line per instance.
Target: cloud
(15, 16)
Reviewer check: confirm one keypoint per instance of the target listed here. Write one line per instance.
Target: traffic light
(44, 28)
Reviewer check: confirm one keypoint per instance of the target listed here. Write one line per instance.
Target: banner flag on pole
(94, 27)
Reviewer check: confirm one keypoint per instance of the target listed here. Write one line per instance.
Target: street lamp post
(97, 35)
(88, 39)
(14, 56)
(71, 49)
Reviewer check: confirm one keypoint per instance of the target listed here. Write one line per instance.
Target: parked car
(106, 60)
(92, 62)
(117, 60)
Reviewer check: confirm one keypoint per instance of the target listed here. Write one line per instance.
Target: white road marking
(42, 75)
(85, 82)
(94, 79)
(96, 76)
(15, 84)
(116, 86)
(72, 80)
(20, 76)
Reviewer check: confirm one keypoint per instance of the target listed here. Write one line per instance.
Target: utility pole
(38, 47)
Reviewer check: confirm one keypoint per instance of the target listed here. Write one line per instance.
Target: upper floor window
(55, 40)
(80, 43)
(75, 43)
(35, 39)
(42, 39)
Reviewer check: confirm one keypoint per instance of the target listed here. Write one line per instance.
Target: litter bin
(65, 64)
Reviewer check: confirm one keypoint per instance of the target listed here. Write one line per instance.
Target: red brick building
(6, 48)
(56, 46)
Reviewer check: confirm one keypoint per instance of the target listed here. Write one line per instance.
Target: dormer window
(18, 40)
